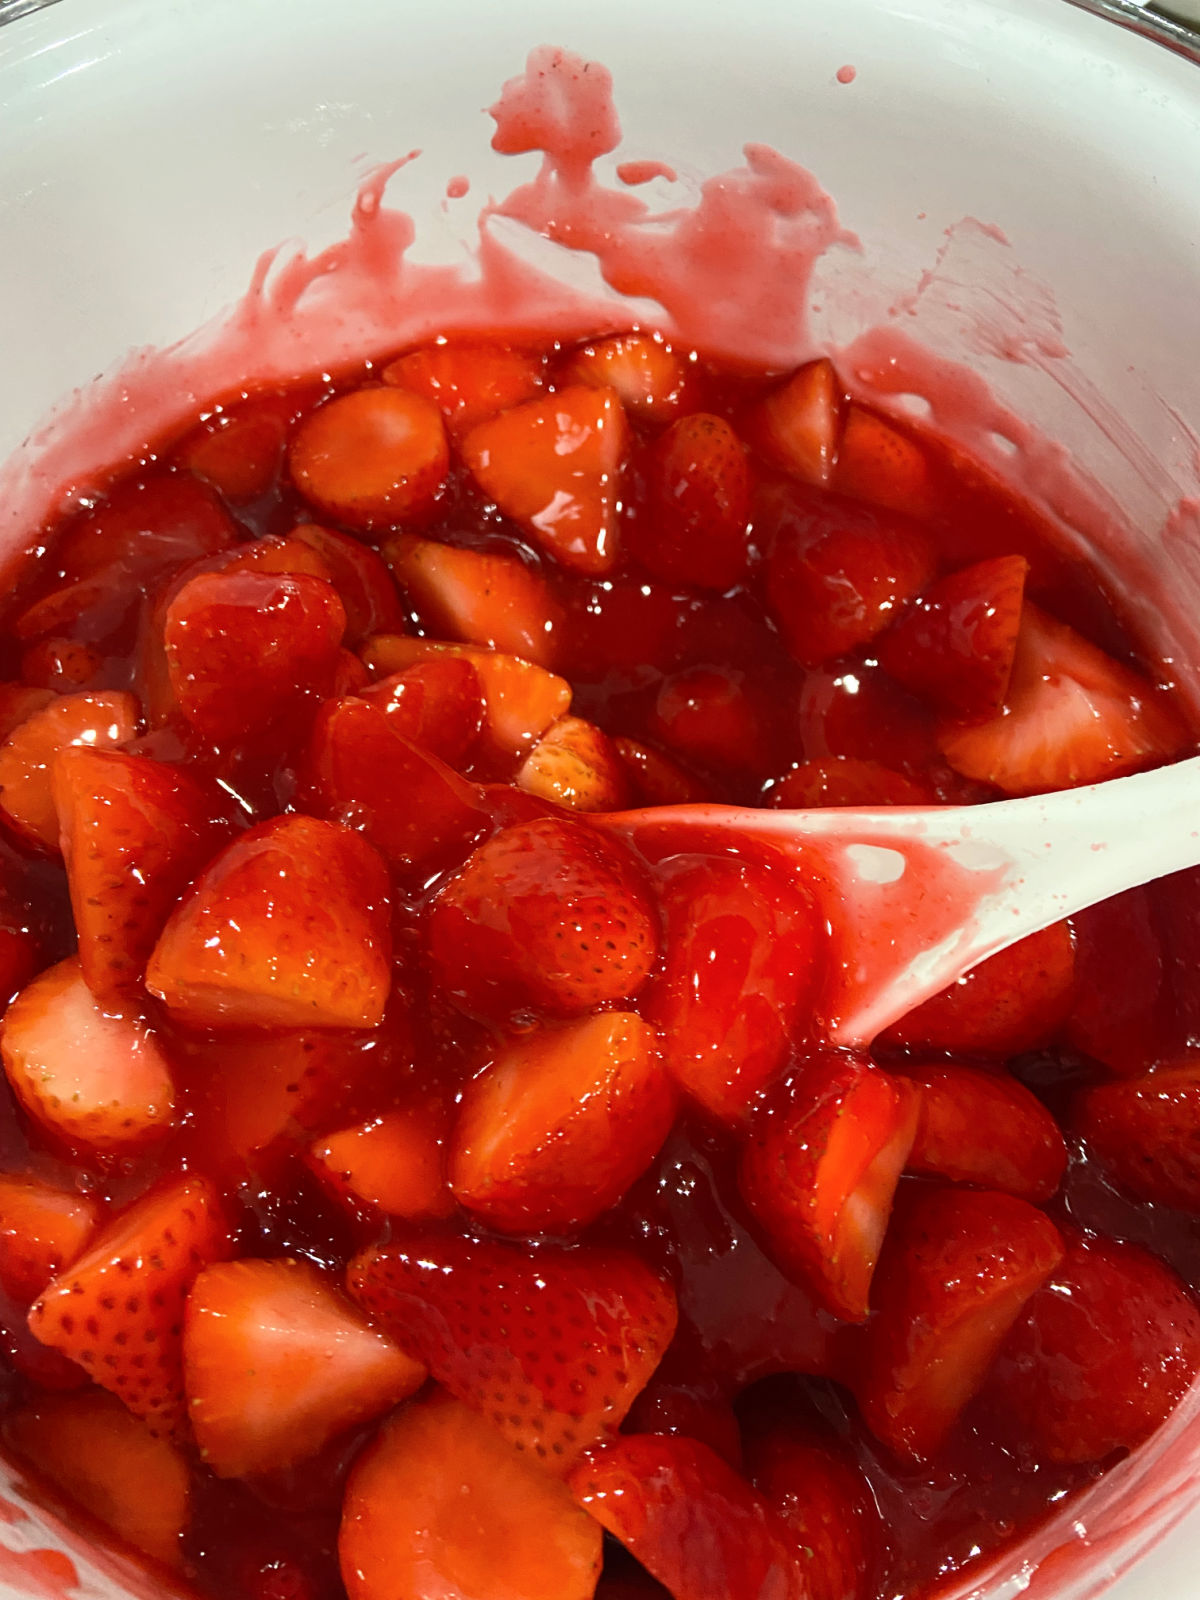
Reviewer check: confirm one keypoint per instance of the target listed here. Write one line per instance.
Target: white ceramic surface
(148, 153)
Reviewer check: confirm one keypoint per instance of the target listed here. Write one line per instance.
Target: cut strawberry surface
(653, 381)
(371, 458)
(695, 527)
(796, 426)
(42, 1230)
(394, 1163)
(598, 1323)
(982, 1127)
(437, 703)
(576, 765)
(101, 720)
(360, 576)
(468, 382)
(1145, 1132)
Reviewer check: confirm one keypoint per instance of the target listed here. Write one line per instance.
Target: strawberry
(118, 1310)
(283, 631)
(1102, 1354)
(689, 1519)
(468, 381)
(554, 467)
(438, 1504)
(107, 1462)
(846, 781)
(1011, 1002)
(958, 1267)
(796, 426)
(1145, 1132)
(656, 779)
(240, 449)
(102, 721)
(820, 1170)
(146, 529)
(737, 978)
(718, 718)
(94, 1078)
(437, 703)
(878, 463)
(61, 665)
(1072, 715)
(839, 574)
(694, 527)
(394, 1164)
(653, 382)
(551, 1345)
(290, 557)
(289, 927)
(695, 1406)
(360, 576)
(1119, 1007)
(549, 914)
(371, 458)
(34, 1361)
(18, 701)
(955, 647)
(856, 712)
(416, 811)
(555, 1129)
(134, 834)
(42, 1230)
(575, 765)
(984, 1128)
(277, 1362)
(20, 949)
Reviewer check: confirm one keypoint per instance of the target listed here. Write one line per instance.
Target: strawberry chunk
(984, 1128)
(42, 1230)
(145, 530)
(820, 1171)
(61, 665)
(118, 1310)
(593, 1326)
(240, 450)
(548, 914)
(655, 1493)
(94, 1078)
(718, 718)
(796, 426)
(956, 646)
(553, 1132)
(846, 781)
(371, 458)
(437, 703)
(695, 525)
(289, 927)
(467, 381)
(277, 1362)
(839, 574)
(1120, 1004)
(957, 1270)
(878, 463)
(439, 1504)
(737, 978)
(394, 1164)
(1013, 1001)
(18, 701)
(654, 383)
(656, 779)
(1072, 715)
(360, 576)
(575, 764)
(554, 467)
(1145, 1131)
(134, 834)
(102, 721)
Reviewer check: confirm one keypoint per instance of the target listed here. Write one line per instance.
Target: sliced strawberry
(737, 978)
(1145, 1132)
(689, 1519)
(845, 781)
(549, 914)
(394, 1164)
(361, 578)
(289, 927)
(146, 529)
(1121, 999)
(878, 463)
(1012, 1002)
(718, 718)
(1103, 1353)
(277, 1362)
(106, 1461)
(955, 647)
(102, 720)
(240, 449)
(654, 383)
(796, 426)
(18, 701)
(820, 1171)
(467, 381)
(439, 1504)
(134, 834)
(594, 1325)
(42, 1230)
(984, 1128)
(1072, 715)
(694, 527)
(437, 703)
(61, 665)
(575, 764)
(118, 1310)
(957, 1270)
(554, 467)
(371, 458)
(554, 1131)
(656, 779)
(96, 1079)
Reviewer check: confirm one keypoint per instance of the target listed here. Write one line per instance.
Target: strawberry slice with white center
(654, 382)
(27, 756)
(796, 426)
(576, 764)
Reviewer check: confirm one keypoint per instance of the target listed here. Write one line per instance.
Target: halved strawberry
(796, 426)
(1119, 1010)
(371, 458)
(240, 449)
(289, 927)
(656, 779)
(554, 1130)
(102, 721)
(42, 1230)
(575, 764)
(277, 1362)
(554, 467)
(394, 1163)
(694, 527)
(118, 1310)
(145, 529)
(956, 645)
(437, 703)
(61, 665)
(361, 578)
(1012, 1002)
(95, 1078)
(550, 914)
(820, 1170)
(439, 1504)
(134, 834)
(984, 1128)
(845, 781)
(689, 1519)
(838, 574)
(1145, 1132)
(106, 1461)
(1072, 715)
(958, 1267)
(719, 718)
(593, 1326)
(879, 463)
(652, 380)
(468, 381)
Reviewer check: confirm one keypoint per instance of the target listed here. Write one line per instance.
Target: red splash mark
(636, 172)
(457, 188)
(47, 1573)
(846, 74)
